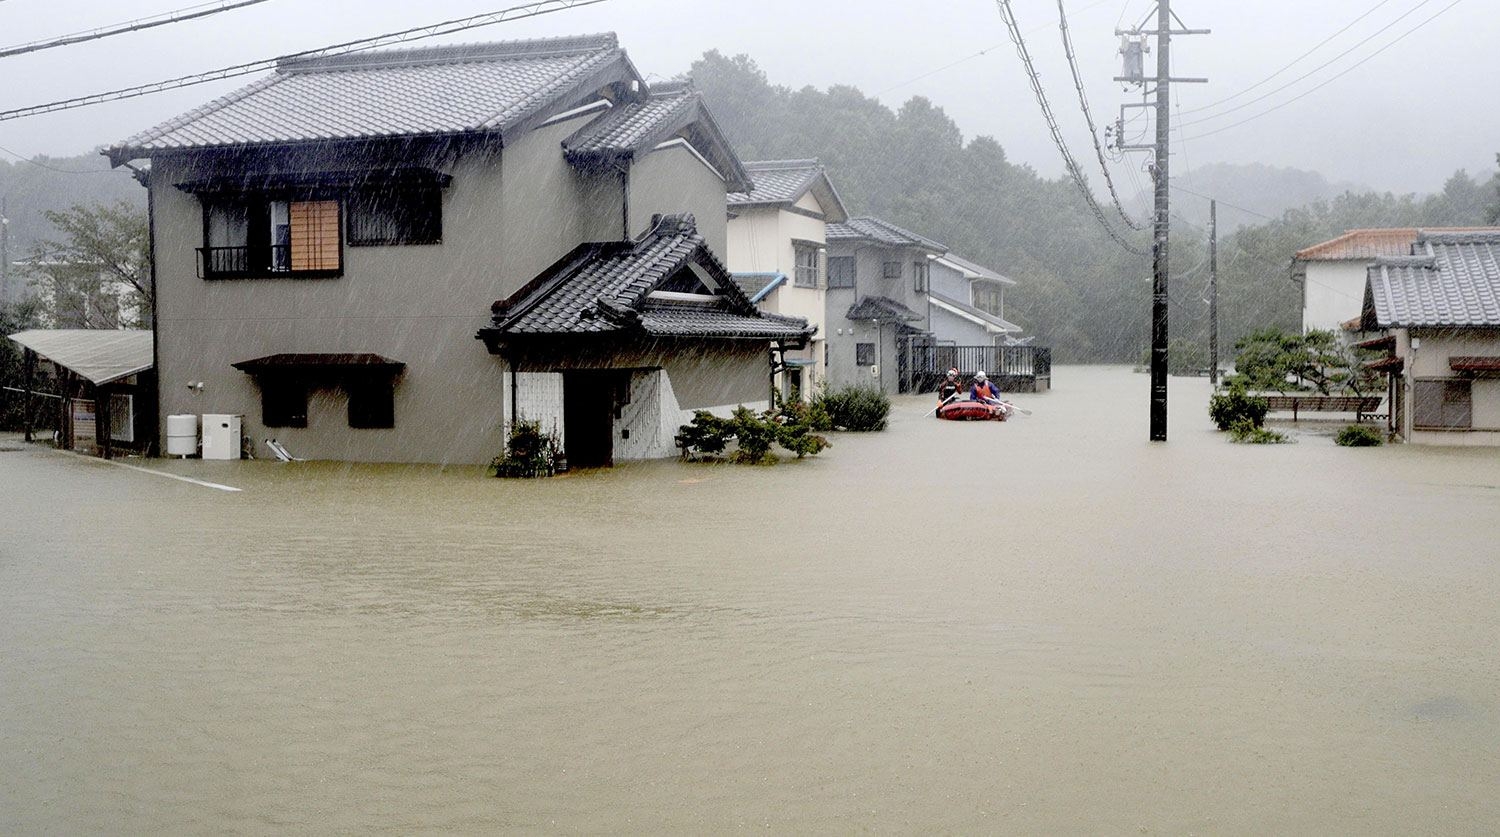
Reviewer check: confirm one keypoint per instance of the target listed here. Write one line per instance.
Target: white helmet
(979, 376)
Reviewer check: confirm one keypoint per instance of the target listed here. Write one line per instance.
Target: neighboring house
(777, 251)
(328, 242)
(1331, 275)
(877, 301)
(958, 288)
(1439, 306)
(101, 389)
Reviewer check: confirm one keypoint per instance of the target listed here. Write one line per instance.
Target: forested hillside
(32, 187)
(1078, 291)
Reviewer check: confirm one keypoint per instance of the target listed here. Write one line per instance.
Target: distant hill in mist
(1267, 191)
(57, 183)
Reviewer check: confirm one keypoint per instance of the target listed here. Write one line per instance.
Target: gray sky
(1403, 121)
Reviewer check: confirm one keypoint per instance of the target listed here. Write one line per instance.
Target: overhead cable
(1088, 116)
(449, 27)
(1057, 138)
(190, 13)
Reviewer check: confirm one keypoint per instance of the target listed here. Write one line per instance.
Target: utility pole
(4, 253)
(1213, 292)
(1160, 172)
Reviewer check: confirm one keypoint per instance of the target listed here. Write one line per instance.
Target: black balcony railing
(242, 262)
(1013, 368)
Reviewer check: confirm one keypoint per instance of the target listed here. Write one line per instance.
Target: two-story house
(778, 252)
(968, 304)
(878, 305)
(329, 241)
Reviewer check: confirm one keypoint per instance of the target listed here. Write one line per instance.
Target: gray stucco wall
(843, 334)
(673, 180)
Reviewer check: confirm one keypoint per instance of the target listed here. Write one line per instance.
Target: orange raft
(972, 411)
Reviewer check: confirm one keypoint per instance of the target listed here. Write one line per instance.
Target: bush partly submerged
(1245, 432)
(529, 453)
(1235, 405)
(854, 408)
(708, 436)
(1359, 436)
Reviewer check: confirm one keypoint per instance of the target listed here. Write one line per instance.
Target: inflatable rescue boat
(972, 411)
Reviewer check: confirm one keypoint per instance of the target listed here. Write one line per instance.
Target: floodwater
(1047, 625)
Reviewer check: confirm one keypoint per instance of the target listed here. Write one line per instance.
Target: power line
(1057, 138)
(1224, 202)
(1088, 116)
(404, 36)
(22, 159)
(1331, 80)
(190, 13)
(1289, 64)
(1311, 72)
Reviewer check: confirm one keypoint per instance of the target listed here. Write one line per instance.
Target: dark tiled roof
(313, 361)
(1451, 279)
(881, 308)
(758, 285)
(881, 232)
(607, 288)
(434, 90)
(778, 181)
(670, 110)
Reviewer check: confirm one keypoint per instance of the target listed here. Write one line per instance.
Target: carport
(105, 386)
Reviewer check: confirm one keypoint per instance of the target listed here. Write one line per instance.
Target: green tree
(96, 273)
(15, 316)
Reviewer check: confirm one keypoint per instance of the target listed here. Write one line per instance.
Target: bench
(1359, 405)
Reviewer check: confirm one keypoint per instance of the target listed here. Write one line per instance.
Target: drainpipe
(624, 201)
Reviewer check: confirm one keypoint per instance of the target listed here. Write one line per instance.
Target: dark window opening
(372, 404)
(864, 354)
(283, 403)
(891, 270)
(840, 271)
(256, 235)
(396, 216)
(919, 277)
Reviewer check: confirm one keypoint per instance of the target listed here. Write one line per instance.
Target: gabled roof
(881, 232)
(1370, 244)
(972, 271)
(466, 89)
(758, 286)
(881, 309)
(974, 315)
(635, 127)
(1449, 279)
(624, 287)
(100, 356)
(781, 183)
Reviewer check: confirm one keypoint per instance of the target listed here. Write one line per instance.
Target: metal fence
(1012, 368)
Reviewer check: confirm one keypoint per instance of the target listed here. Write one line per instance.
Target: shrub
(814, 414)
(708, 436)
(855, 408)
(528, 453)
(1359, 436)
(1246, 432)
(1235, 405)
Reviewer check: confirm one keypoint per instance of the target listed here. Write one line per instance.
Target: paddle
(945, 402)
(1009, 406)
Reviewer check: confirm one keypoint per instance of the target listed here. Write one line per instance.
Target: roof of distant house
(1447, 279)
(671, 110)
(975, 315)
(624, 287)
(881, 232)
(100, 356)
(1368, 244)
(472, 88)
(782, 183)
(972, 270)
(881, 309)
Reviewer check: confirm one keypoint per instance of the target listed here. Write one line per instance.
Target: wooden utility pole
(1213, 292)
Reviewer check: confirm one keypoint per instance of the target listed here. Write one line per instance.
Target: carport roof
(100, 356)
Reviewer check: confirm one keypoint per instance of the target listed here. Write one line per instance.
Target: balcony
(267, 262)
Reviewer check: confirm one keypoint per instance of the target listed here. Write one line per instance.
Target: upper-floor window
(807, 266)
(396, 216)
(990, 299)
(919, 276)
(840, 271)
(891, 270)
(260, 236)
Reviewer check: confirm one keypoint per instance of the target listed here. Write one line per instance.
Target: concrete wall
(675, 180)
(505, 219)
(950, 283)
(842, 334)
(1333, 294)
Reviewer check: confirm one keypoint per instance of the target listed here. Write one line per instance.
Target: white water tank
(182, 435)
(221, 436)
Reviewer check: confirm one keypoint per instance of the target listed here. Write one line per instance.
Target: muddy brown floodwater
(1047, 625)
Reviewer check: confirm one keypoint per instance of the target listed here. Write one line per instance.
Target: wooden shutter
(315, 235)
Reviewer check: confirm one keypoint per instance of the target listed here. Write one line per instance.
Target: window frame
(429, 207)
(280, 398)
(1421, 407)
(892, 270)
(799, 250)
(371, 402)
(259, 252)
(853, 273)
(919, 280)
(864, 354)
